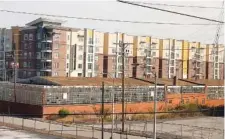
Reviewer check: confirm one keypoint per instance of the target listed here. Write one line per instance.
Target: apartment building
(170, 58)
(113, 54)
(6, 57)
(146, 57)
(215, 62)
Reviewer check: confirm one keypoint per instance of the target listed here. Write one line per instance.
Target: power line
(101, 19)
(173, 12)
(183, 6)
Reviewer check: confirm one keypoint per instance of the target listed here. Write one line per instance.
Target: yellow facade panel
(185, 56)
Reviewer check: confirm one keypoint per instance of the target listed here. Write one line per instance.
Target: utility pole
(123, 47)
(155, 107)
(102, 110)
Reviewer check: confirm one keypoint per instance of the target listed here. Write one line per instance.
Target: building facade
(44, 47)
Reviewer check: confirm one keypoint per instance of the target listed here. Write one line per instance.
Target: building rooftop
(39, 20)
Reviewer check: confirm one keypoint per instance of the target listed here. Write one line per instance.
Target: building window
(39, 45)
(89, 74)
(38, 35)
(79, 66)
(171, 69)
(56, 55)
(29, 64)
(67, 65)
(113, 50)
(55, 74)
(56, 46)
(90, 41)
(80, 48)
(113, 59)
(90, 58)
(56, 37)
(80, 39)
(25, 45)
(29, 73)
(25, 37)
(31, 37)
(56, 65)
(80, 57)
(79, 74)
(38, 55)
(67, 56)
(30, 45)
(96, 49)
(24, 64)
(89, 65)
(24, 73)
(170, 101)
(30, 54)
(25, 54)
(153, 53)
(68, 37)
(90, 49)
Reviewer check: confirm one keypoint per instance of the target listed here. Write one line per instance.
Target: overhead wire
(169, 11)
(101, 19)
(182, 6)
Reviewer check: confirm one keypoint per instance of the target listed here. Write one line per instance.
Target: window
(89, 65)
(68, 37)
(96, 40)
(67, 65)
(55, 74)
(113, 59)
(31, 37)
(96, 58)
(80, 57)
(80, 48)
(39, 45)
(67, 56)
(56, 37)
(30, 54)
(171, 69)
(80, 39)
(29, 64)
(120, 59)
(79, 66)
(90, 41)
(29, 73)
(24, 73)
(38, 35)
(56, 46)
(24, 64)
(56, 55)
(96, 49)
(177, 55)
(25, 54)
(127, 60)
(89, 74)
(25, 37)
(30, 45)
(25, 45)
(90, 49)
(153, 53)
(90, 58)
(56, 65)
(216, 65)
(79, 74)
(113, 50)
(170, 101)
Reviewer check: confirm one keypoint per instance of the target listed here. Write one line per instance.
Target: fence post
(3, 119)
(62, 129)
(76, 131)
(22, 122)
(93, 135)
(49, 127)
(35, 124)
(181, 128)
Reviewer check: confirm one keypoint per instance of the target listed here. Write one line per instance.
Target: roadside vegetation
(180, 111)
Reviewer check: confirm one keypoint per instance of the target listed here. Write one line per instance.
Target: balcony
(46, 59)
(47, 38)
(46, 68)
(46, 48)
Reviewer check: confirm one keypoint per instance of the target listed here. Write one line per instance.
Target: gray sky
(114, 10)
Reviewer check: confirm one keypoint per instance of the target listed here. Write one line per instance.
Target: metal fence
(38, 94)
(193, 128)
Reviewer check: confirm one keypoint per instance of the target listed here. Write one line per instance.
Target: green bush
(63, 113)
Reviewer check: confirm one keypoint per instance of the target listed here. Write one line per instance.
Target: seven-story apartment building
(46, 48)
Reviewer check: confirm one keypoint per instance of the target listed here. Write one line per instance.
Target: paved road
(9, 133)
(200, 128)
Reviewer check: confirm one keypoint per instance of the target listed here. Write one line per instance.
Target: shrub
(63, 113)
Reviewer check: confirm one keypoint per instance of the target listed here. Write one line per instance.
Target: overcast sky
(114, 10)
